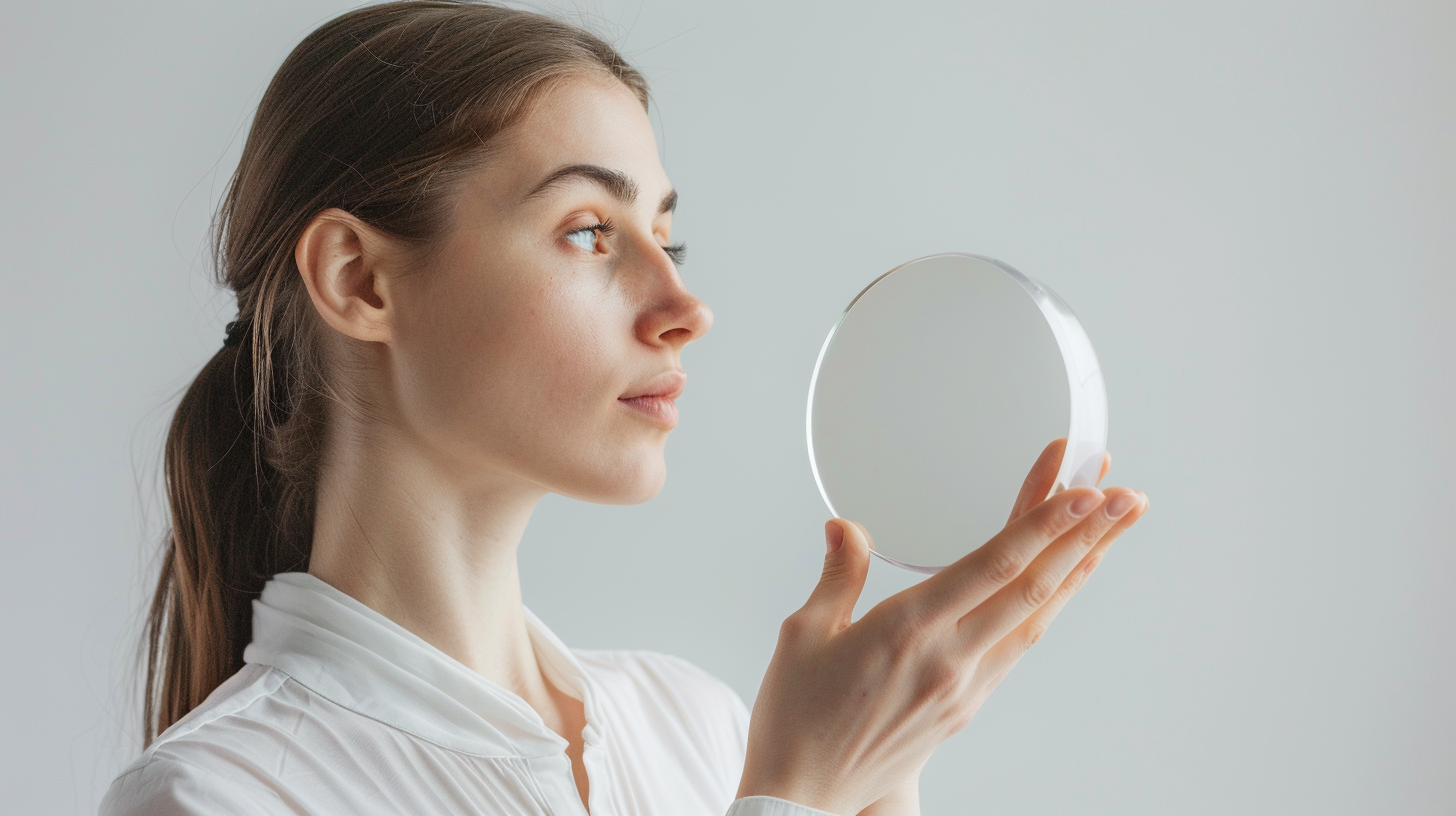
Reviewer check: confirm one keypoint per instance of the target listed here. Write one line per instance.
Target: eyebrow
(618, 184)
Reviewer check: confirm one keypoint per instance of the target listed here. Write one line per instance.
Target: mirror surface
(938, 388)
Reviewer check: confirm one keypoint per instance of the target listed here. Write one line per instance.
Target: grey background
(1250, 205)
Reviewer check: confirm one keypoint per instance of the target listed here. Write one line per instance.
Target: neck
(401, 531)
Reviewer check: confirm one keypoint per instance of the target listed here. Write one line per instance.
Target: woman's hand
(904, 798)
(849, 711)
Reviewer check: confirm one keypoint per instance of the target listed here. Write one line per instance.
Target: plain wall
(1252, 207)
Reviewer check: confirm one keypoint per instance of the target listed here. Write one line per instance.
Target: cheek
(522, 375)
(562, 351)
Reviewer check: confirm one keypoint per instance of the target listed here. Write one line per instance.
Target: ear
(343, 264)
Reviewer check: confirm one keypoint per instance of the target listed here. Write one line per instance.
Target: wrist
(805, 795)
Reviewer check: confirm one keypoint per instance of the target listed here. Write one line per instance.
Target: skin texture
(471, 385)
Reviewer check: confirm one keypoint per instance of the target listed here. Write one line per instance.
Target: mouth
(654, 400)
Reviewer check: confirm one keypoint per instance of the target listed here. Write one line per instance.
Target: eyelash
(677, 252)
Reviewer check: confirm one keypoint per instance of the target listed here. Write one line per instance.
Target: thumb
(846, 563)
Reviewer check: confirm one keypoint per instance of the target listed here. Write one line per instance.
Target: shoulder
(199, 764)
(166, 785)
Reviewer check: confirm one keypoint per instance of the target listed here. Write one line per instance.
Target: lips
(654, 399)
(668, 385)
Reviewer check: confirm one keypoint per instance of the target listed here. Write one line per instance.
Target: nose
(694, 319)
(675, 320)
(671, 315)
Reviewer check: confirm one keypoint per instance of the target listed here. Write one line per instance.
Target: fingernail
(1085, 504)
(1122, 505)
(833, 536)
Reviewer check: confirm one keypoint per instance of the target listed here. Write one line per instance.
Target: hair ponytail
(219, 496)
(380, 112)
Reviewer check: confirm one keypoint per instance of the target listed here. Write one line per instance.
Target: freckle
(863, 694)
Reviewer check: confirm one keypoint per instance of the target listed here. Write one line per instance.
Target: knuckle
(906, 638)
(1035, 628)
(941, 679)
(961, 716)
(1002, 566)
(1084, 571)
(904, 620)
(960, 722)
(1091, 532)
(834, 570)
(1039, 588)
(1050, 523)
(793, 627)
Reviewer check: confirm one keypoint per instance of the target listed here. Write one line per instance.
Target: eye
(586, 237)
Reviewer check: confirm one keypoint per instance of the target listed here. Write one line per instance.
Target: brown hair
(380, 112)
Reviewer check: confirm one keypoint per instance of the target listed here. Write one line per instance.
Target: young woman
(450, 240)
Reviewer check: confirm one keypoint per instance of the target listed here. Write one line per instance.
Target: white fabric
(340, 711)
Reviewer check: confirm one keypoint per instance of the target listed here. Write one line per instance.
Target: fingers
(846, 563)
(1038, 482)
(864, 531)
(1001, 657)
(963, 585)
(1039, 583)
(1043, 474)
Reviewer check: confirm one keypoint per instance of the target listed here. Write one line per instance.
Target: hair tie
(235, 331)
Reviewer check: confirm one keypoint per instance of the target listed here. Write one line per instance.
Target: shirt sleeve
(772, 806)
(170, 787)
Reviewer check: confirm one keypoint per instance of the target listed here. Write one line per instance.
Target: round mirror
(934, 394)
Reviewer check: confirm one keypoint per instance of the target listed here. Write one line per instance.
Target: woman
(449, 237)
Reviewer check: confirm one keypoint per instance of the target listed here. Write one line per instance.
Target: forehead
(587, 120)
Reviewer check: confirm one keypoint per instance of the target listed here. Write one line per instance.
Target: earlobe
(339, 258)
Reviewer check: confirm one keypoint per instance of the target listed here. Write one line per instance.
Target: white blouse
(340, 711)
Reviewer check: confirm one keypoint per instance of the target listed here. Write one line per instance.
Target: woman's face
(521, 356)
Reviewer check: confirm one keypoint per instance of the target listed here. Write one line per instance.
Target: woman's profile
(450, 239)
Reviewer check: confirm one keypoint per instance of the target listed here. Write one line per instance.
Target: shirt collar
(352, 655)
